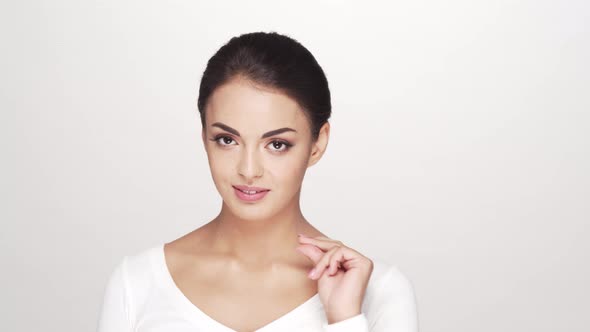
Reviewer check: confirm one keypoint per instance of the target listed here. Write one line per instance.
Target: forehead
(254, 109)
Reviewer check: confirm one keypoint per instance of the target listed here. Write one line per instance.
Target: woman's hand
(342, 273)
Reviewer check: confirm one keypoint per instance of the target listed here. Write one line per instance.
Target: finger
(335, 262)
(310, 251)
(321, 243)
(323, 238)
(346, 259)
(324, 263)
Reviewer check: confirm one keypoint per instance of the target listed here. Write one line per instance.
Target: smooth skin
(250, 254)
(342, 273)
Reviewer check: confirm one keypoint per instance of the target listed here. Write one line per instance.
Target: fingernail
(311, 273)
(301, 235)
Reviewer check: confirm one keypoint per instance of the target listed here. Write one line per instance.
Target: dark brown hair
(275, 61)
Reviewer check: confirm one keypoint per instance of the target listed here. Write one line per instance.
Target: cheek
(221, 164)
(288, 169)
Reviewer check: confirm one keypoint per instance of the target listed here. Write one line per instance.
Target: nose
(249, 165)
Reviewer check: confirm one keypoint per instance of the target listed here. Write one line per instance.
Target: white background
(459, 148)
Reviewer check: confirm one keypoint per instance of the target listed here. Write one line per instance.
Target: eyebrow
(265, 135)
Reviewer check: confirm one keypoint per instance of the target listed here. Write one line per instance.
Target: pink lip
(250, 188)
(250, 198)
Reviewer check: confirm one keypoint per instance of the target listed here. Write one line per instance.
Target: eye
(278, 144)
(223, 140)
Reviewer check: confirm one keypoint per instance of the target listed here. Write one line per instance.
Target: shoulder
(127, 289)
(390, 277)
(142, 261)
(135, 263)
(137, 272)
(386, 279)
(389, 300)
(142, 268)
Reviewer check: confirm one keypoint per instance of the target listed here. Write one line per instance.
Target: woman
(259, 265)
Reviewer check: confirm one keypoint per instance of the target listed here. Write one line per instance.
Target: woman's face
(257, 137)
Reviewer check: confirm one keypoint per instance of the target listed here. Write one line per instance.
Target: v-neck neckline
(191, 308)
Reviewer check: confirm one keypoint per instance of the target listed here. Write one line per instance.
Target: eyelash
(285, 143)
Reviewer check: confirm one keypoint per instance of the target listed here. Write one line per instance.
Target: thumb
(312, 252)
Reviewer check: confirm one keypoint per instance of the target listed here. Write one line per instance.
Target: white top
(141, 296)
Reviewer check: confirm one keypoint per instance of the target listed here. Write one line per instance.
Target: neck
(262, 241)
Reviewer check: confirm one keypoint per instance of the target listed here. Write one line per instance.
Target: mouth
(250, 194)
(250, 190)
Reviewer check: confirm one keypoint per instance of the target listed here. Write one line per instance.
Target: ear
(318, 147)
(203, 138)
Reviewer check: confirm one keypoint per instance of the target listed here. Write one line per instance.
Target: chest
(245, 309)
(244, 303)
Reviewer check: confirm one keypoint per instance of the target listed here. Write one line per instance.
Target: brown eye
(223, 140)
(280, 146)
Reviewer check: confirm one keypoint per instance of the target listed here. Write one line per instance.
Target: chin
(249, 212)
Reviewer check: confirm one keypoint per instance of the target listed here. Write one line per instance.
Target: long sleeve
(397, 305)
(357, 323)
(394, 307)
(114, 314)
